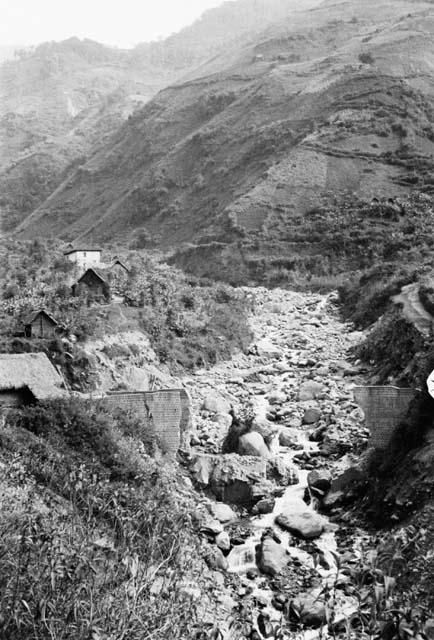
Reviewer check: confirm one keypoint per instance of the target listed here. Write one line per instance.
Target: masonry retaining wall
(165, 413)
(384, 409)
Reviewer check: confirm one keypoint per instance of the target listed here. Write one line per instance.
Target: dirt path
(413, 310)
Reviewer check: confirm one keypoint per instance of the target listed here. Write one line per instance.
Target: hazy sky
(118, 22)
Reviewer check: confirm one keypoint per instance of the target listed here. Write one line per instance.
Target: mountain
(238, 158)
(60, 100)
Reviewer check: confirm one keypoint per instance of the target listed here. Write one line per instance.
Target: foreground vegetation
(95, 539)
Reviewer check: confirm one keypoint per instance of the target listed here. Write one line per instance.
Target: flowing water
(299, 337)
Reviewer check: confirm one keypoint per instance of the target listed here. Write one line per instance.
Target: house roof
(97, 273)
(121, 264)
(32, 315)
(69, 251)
(31, 370)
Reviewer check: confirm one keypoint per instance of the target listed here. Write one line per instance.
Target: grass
(86, 551)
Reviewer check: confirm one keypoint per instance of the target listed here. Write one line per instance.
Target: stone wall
(165, 413)
(384, 409)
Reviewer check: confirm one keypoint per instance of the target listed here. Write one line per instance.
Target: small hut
(95, 282)
(26, 378)
(39, 324)
(119, 268)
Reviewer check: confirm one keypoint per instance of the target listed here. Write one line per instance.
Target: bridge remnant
(384, 407)
(165, 413)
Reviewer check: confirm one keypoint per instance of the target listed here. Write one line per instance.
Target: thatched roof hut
(30, 371)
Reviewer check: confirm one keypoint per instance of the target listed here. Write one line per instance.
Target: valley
(215, 243)
(300, 347)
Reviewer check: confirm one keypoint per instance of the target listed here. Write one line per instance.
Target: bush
(366, 58)
(11, 291)
(86, 428)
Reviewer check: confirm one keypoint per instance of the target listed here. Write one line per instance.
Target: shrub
(11, 291)
(366, 58)
(88, 429)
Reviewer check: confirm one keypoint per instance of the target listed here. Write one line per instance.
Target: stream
(297, 382)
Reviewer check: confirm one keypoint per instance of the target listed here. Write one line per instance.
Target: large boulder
(234, 478)
(310, 390)
(345, 488)
(282, 471)
(262, 426)
(301, 521)
(201, 467)
(216, 560)
(320, 480)
(311, 416)
(211, 526)
(264, 506)
(223, 419)
(223, 541)
(222, 512)
(231, 477)
(253, 444)
(273, 557)
(309, 610)
(287, 439)
(216, 403)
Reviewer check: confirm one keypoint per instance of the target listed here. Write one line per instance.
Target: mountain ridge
(59, 101)
(308, 111)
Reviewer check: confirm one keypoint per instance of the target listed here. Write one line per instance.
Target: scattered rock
(223, 419)
(279, 469)
(277, 397)
(235, 477)
(310, 390)
(265, 489)
(215, 559)
(232, 478)
(265, 347)
(266, 505)
(212, 526)
(202, 466)
(253, 444)
(311, 416)
(294, 422)
(273, 558)
(286, 439)
(223, 512)
(263, 427)
(223, 541)
(301, 521)
(310, 610)
(345, 488)
(216, 403)
(320, 479)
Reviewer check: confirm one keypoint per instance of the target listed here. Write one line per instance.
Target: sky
(122, 23)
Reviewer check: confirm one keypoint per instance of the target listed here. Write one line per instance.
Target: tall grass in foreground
(85, 555)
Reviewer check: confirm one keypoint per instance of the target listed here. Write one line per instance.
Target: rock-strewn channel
(275, 430)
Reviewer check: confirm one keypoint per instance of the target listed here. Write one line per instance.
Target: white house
(84, 258)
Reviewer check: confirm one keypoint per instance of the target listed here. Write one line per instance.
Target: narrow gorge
(289, 409)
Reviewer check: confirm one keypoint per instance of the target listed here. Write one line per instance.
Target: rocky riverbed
(275, 452)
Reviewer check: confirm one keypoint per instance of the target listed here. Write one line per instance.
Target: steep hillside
(56, 102)
(60, 101)
(332, 102)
